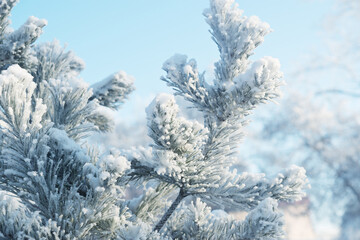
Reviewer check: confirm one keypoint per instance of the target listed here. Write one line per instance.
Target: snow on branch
(183, 76)
(16, 45)
(233, 99)
(198, 221)
(113, 90)
(71, 109)
(5, 8)
(265, 222)
(170, 132)
(17, 222)
(237, 88)
(236, 37)
(245, 191)
(50, 61)
(18, 113)
(176, 140)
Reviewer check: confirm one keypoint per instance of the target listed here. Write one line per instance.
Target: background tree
(318, 123)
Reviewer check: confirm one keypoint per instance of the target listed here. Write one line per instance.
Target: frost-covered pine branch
(198, 221)
(49, 172)
(112, 91)
(15, 45)
(50, 60)
(6, 7)
(51, 186)
(194, 158)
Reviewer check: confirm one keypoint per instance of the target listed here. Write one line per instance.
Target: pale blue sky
(137, 36)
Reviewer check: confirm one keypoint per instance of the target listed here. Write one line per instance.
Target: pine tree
(54, 187)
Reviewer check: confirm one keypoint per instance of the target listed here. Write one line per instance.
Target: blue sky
(137, 36)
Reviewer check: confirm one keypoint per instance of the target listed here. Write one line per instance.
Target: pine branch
(5, 8)
(141, 171)
(182, 194)
(339, 91)
(112, 91)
